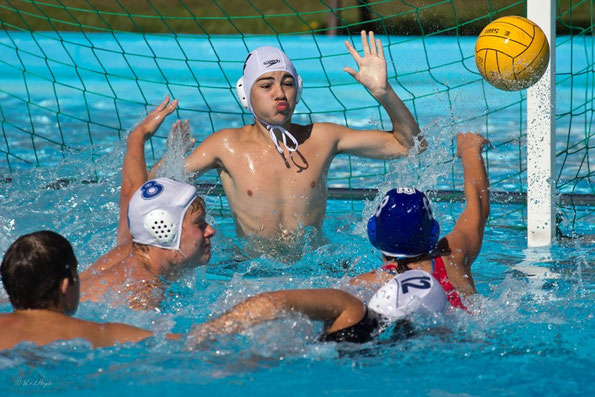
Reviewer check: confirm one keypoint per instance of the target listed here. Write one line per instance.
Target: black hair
(403, 329)
(33, 267)
(442, 248)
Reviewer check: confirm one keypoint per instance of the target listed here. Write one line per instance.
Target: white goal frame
(541, 136)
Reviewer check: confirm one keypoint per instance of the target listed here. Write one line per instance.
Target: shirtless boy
(162, 229)
(274, 172)
(39, 273)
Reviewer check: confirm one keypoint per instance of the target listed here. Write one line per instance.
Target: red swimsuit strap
(391, 268)
(439, 272)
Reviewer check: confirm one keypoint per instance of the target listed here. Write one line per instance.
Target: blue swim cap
(403, 225)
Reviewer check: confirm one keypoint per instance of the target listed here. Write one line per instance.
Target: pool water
(532, 330)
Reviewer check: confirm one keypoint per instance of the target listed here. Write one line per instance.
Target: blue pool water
(532, 332)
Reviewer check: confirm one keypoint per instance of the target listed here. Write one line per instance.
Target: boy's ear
(64, 284)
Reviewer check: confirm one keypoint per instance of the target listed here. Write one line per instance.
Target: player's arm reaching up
(466, 237)
(372, 74)
(134, 168)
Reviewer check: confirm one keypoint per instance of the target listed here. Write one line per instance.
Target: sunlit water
(532, 330)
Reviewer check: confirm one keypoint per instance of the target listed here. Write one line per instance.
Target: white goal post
(541, 135)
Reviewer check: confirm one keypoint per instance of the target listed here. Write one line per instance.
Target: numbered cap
(403, 225)
(156, 212)
(409, 292)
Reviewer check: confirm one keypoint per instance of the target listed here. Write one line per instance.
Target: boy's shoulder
(228, 134)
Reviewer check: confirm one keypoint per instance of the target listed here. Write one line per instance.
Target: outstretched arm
(338, 307)
(372, 74)
(134, 169)
(206, 155)
(466, 237)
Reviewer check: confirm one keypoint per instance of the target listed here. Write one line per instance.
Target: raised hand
(470, 141)
(372, 67)
(134, 169)
(151, 123)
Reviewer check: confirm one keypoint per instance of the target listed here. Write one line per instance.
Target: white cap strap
(284, 134)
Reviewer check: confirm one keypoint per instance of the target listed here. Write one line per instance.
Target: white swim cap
(156, 212)
(410, 291)
(260, 61)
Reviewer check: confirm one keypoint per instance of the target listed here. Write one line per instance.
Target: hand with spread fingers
(151, 123)
(372, 67)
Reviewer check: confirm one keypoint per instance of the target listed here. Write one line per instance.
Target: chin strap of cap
(284, 135)
(183, 254)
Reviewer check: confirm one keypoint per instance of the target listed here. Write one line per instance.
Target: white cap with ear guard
(260, 61)
(411, 291)
(156, 212)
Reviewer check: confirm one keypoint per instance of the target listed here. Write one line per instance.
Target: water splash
(178, 145)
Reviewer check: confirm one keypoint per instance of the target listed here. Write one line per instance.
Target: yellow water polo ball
(512, 53)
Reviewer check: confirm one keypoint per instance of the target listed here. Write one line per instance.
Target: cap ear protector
(241, 91)
(434, 233)
(160, 225)
(156, 212)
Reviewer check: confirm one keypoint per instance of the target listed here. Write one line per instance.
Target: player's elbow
(486, 208)
(420, 144)
(193, 166)
(485, 214)
(484, 200)
(352, 312)
(411, 143)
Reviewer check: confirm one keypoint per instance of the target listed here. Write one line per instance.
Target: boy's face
(273, 97)
(195, 241)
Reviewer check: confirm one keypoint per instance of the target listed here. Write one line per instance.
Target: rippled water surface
(533, 320)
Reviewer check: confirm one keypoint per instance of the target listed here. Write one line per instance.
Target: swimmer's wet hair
(442, 248)
(198, 204)
(33, 267)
